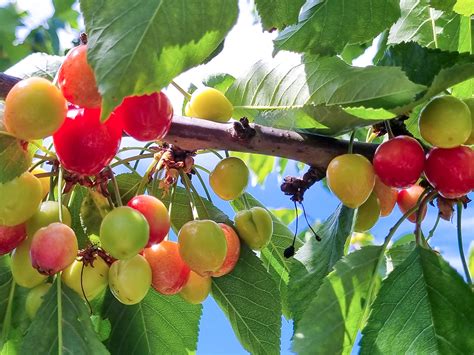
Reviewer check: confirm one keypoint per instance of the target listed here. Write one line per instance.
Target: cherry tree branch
(193, 133)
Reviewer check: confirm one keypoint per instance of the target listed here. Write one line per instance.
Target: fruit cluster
(399, 163)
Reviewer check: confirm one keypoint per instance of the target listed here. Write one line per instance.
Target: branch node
(242, 130)
(296, 187)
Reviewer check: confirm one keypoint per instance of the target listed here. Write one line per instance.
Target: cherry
(88, 279)
(399, 162)
(124, 232)
(408, 198)
(451, 171)
(155, 213)
(387, 197)
(83, 144)
(210, 104)
(34, 109)
(47, 213)
(351, 178)
(367, 214)
(77, 81)
(230, 178)
(53, 248)
(35, 299)
(233, 251)
(203, 246)
(196, 290)
(45, 181)
(255, 227)
(470, 104)
(147, 117)
(169, 271)
(129, 280)
(11, 237)
(23, 272)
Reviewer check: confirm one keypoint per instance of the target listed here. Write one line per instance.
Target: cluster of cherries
(447, 124)
(134, 252)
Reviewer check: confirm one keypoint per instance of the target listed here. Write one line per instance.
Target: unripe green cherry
(124, 232)
(130, 280)
(445, 122)
(255, 227)
(196, 289)
(35, 299)
(94, 277)
(367, 214)
(470, 104)
(351, 178)
(48, 213)
(210, 104)
(23, 271)
(203, 246)
(230, 178)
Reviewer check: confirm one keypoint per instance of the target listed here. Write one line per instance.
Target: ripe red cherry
(77, 81)
(408, 198)
(451, 171)
(155, 213)
(233, 251)
(11, 237)
(147, 117)
(83, 144)
(399, 162)
(169, 272)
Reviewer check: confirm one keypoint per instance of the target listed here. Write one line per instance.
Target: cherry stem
(136, 157)
(423, 200)
(146, 177)
(43, 149)
(246, 201)
(60, 312)
(82, 288)
(125, 164)
(208, 195)
(202, 168)
(431, 232)
(143, 150)
(118, 198)
(389, 129)
(60, 194)
(192, 202)
(461, 249)
(226, 152)
(351, 142)
(201, 201)
(216, 153)
(181, 90)
(296, 227)
(318, 238)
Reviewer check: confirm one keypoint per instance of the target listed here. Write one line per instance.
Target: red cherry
(83, 144)
(451, 171)
(11, 237)
(408, 198)
(77, 81)
(155, 213)
(399, 162)
(147, 117)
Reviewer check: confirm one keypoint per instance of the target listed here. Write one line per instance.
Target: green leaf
(14, 158)
(318, 81)
(339, 306)
(158, 324)
(139, 47)
(277, 14)
(37, 64)
(251, 301)
(78, 335)
(326, 27)
(102, 327)
(471, 259)
(272, 255)
(5, 286)
(465, 89)
(397, 254)
(464, 7)
(128, 184)
(285, 215)
(444, 5)
(80, 193)
(221, 82)
(94, 208)
(416, 25)
(425, 306)
(314, 260)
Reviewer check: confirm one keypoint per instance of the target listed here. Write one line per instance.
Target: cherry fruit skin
(83, 144)
(470, 104)
(203, 246)
(196, 290)
(451, 171)
(47, 213)
(130, 280)
(23, 272)
(169, 271)
(94, 277)
(233, 251)
(11, 237)
(156, 214)
(408, 198)
(399, 162)
(255, 227)
(445, 122)
(351, 178)
(230, 178)
(77, 81)
(146, 118)
(367, 214)
(386, 195)
(45, 181)
(53, 248)
(20, 199)
(210, 104)
(124, 232)
(35, 299)
(34, 109)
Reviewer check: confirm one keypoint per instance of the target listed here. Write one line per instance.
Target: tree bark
(193, 133)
